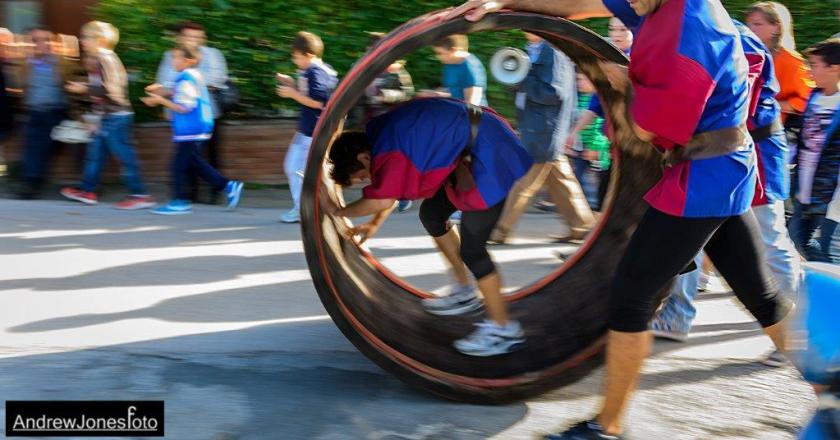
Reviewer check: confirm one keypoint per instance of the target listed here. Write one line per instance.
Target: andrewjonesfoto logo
(84, 418)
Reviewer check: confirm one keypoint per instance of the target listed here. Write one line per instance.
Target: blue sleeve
(319, 84)
(595, 106)
(622, 10)
(472, 75)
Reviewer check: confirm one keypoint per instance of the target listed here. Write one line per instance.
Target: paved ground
(215, 313)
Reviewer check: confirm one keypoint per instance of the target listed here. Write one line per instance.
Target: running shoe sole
(460, 309)
(509, 346)
(671, 336)
(78, 199)
(775, 360)
(171, 212)
(136, 206)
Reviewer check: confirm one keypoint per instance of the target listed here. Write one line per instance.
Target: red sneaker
(132, 203)
(88, 198)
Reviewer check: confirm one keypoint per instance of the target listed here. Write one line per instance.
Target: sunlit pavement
(215, 313)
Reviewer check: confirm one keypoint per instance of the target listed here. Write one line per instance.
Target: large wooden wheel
(564, 314)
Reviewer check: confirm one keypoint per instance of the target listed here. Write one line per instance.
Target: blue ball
(818, 320)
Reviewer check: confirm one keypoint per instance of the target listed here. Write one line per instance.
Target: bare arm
(369, 229)
(643, 134)
(309, 102)
(173, 106)
(381, 216)
(292, 93)
(572, 9)
(153, 100)
(363, 207)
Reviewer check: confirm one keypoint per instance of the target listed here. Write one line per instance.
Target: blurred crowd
(54, 80)
(77, 91)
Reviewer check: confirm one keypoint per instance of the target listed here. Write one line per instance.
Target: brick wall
(251, 151)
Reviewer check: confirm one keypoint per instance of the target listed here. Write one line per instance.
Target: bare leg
(776, 332)
(708, 267)
(449, 245)
(491, 288)
(625, 354)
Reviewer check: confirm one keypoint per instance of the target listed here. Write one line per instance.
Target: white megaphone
(510, 66)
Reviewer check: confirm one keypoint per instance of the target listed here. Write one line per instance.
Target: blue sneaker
(290, 216)
(404, 205)
(455, 218)
(174, 207)
(233, 192)
(590, 430)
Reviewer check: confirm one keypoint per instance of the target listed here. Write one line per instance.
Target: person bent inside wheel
(454, 156)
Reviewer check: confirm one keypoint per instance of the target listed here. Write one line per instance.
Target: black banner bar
(84, 418)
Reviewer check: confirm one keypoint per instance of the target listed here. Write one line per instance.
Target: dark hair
(374, 38)
(308, 43)
(828, 50)
(37, 27)
(453, 42)
(190, 25)
(344, 155)
(190, 53)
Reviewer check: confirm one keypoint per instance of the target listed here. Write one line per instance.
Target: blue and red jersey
(773, 175)
(417, 146)
(690, 75)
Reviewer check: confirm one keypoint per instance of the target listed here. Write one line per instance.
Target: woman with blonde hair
(772, 23)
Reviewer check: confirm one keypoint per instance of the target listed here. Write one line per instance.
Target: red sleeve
(672, 108)
(387, 177)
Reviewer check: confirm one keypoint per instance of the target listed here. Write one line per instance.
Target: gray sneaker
(456, 303)
(775, 359)
(663, 330)
(491, 339)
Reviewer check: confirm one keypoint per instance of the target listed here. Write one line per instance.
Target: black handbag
(227, 98)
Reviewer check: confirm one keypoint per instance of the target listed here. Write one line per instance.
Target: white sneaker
(460, 301)
(290, 216)
(776, 359)
(491, 339)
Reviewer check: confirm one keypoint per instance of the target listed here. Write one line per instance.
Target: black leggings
(663, 245)
(476, 227)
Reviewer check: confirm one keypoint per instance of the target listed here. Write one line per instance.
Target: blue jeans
(114, 137)
(678, 311)
(804, 224)
(189, 161)
(39, 145)
(589, 180)
(294, 164)
(781, 254)
(829, 228)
